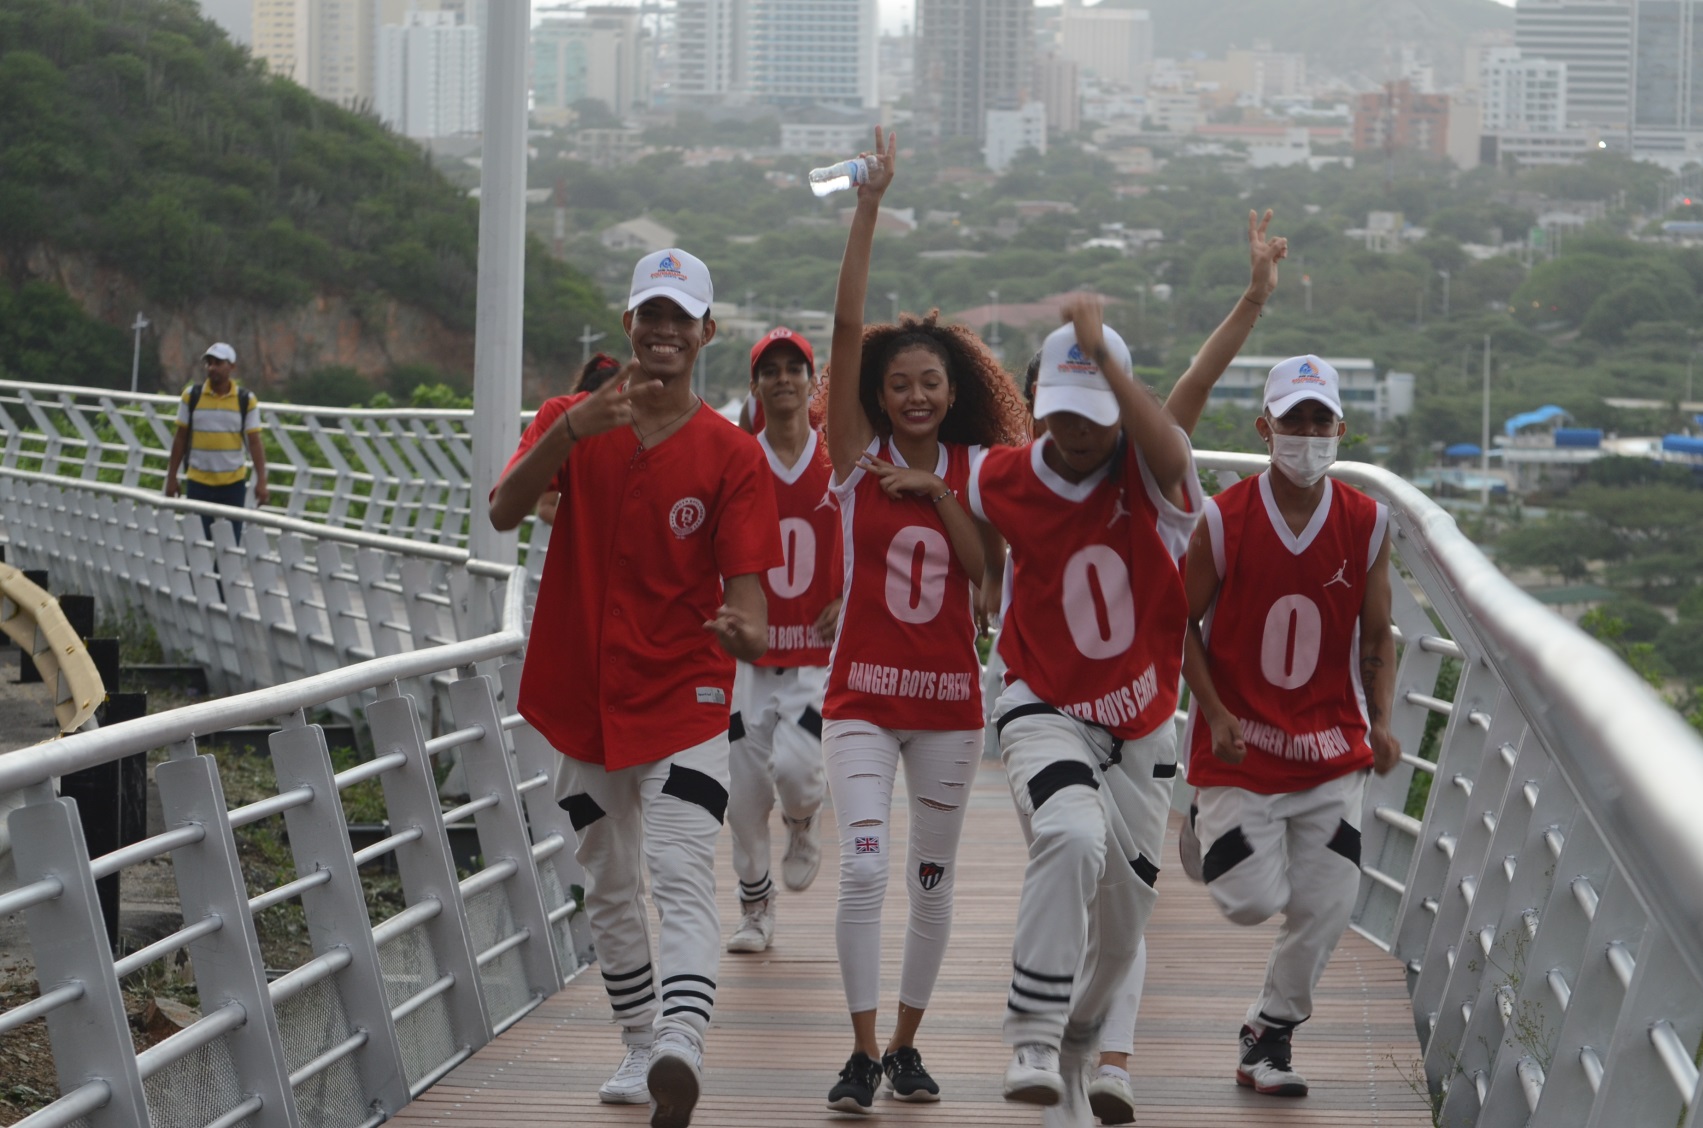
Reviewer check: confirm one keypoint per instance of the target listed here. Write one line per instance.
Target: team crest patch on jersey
(930, 873)
(687, 517)
(866, 845)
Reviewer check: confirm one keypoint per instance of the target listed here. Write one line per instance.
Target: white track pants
(863, 762)
(1095, 830)
(775, 737)
(1298, 854)
(664, 817)
(1118, 1035)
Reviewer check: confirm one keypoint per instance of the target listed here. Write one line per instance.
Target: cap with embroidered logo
(1298, 379)
(221, 351)
(673, 274)
(779, 335)
(1069, 380)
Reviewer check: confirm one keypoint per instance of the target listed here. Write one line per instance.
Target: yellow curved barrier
(31, 618)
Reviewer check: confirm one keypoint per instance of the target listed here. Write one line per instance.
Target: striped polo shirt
(216, 444)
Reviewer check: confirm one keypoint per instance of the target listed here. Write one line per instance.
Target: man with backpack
(215, 420)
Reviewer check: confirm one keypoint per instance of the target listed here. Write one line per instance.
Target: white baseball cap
(673, 274)
(221, 351)
(1298, 379)
(1069, 381)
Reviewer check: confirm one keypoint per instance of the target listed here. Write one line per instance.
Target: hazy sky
(897, 13)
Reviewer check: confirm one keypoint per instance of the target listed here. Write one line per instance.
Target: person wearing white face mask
(1290, 659)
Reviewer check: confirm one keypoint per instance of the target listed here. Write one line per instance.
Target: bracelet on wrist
(1250, 301)
(567, 421)
(944, 494)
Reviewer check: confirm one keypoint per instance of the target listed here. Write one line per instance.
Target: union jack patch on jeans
(867, 845)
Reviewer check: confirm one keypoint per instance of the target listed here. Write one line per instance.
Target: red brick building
(1397, 118)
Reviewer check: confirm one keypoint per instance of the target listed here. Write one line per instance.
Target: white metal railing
(382, 1009)
(294, 598)
(1549, 905)
(402, 472)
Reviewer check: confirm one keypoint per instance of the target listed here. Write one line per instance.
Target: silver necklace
(643, 435)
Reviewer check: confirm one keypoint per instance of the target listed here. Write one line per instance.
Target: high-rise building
(430, 76)
(340, 62)
(787, 53)
(325, 45)
(1058, 84)
(281, 36)
(813, 53)
(1115, 45)
(972, 56)
(1594, 39)
(597, 54)
(1667, 65)
(1521, 95)
(1398, 117)
(708, 63)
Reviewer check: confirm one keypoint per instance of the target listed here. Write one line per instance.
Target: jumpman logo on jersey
(1341, 577)
(827, 501)
(1119, 509)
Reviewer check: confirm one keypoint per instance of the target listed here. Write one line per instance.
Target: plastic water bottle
(838, 176)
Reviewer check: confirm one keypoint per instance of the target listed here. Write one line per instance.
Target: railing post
(534, 756)
(502, 829)
(90, 1036)
(228, 966)
(336, 912)
(1556, 958)
(426, 866)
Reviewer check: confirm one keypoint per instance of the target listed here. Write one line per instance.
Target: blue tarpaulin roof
(1682, 444)
(1463, 450)
(1545, 414)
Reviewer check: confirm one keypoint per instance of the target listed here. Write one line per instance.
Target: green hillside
(133, 130)
(1344, 38)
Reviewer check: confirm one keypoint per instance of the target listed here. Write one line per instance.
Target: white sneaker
(627, 1084)
(756, 927)
(1033, 1077)
(676, 1070)
(1111, 1099)
(803, 853)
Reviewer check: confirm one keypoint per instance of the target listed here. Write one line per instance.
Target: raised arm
(530, 475)
(1188, 399)
(1378, 662)
(1200, 583)
(1146, 422)
(849, 431)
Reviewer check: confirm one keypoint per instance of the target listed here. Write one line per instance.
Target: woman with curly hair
(909, 407)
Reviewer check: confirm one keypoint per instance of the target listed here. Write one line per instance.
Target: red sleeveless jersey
(814, 573)
(905, 656)
(1283, 638)
(1095, 612)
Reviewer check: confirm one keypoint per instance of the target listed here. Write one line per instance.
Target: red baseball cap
(777, 335)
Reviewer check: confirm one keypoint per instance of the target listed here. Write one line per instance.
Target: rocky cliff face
(369, 333)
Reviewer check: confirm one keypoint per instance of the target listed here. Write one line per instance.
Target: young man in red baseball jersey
(650, 592)
(1097, 512)
(1291, 662)
(776, 731)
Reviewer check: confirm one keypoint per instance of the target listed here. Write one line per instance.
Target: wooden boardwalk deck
(781, 1032)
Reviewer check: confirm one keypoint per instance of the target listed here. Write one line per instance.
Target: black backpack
(245, 399)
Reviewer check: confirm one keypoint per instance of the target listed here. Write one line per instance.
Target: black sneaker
(909, 1079)
(1265, 1064)
(858, 1082)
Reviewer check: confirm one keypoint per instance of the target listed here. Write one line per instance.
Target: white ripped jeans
(863, 763)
